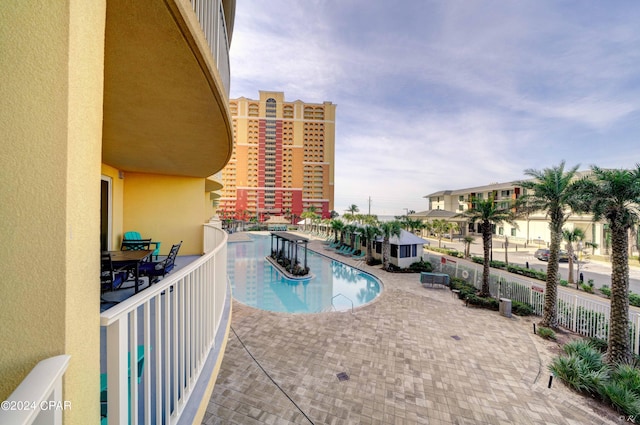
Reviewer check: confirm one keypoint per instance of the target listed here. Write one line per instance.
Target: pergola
(290, 243)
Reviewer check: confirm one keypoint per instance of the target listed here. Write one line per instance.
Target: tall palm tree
(369, 232)
(614, 195)
(488, 213)
(551, 190)
(571, 236)
(388, 229)
(353, 209)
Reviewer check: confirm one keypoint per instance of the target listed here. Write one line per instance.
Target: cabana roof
(291, 237)
(406, 238)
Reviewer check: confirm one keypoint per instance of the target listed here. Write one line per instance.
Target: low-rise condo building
(529, 230)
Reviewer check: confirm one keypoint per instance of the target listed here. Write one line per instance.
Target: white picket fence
(576, 313)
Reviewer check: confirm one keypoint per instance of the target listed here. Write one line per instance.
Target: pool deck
(413, 356)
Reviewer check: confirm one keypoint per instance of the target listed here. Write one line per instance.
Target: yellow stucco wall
(168, 209)
(51, 119)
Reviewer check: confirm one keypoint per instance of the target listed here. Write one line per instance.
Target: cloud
(445, 95)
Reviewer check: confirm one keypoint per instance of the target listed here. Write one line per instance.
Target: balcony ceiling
(165, 110)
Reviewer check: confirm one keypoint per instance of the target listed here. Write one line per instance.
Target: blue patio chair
(110, 278)
(158, 269)
(103, 383)
(130, 237)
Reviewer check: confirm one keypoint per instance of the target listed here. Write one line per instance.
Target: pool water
(257, 283)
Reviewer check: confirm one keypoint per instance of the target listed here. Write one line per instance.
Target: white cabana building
(405, 250)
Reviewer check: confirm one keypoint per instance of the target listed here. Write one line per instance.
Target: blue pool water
(255, 282)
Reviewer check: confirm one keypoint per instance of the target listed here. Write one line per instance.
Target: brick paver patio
(413, 356)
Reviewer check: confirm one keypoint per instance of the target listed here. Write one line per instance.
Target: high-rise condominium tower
(283, 158)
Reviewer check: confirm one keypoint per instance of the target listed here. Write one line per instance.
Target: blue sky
(436, 95)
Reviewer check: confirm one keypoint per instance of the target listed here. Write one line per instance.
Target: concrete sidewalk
(413, 356)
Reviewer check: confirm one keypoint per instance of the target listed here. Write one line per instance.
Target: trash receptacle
(505, 307)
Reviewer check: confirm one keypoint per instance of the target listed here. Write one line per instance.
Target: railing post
(574, 321)
(636, 345)
(117, 401)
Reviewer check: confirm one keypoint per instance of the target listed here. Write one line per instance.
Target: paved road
(599, 271)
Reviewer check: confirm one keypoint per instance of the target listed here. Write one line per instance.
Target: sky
(449, 94)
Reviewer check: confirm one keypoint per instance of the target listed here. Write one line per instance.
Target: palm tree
(551, 190)
(370, 232)
(439, 227)
(353, 209)
(388, 229)
(468, 240)
(487, 212)
(614, 195)
(311, 215)
(350, 230)
(337, 226)
(571, 236)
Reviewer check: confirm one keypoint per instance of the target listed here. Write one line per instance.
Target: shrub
(627, 376)
(498, 264)
(488, 303)
(421, 266)
(605, 290)
(584, 369)
(449, 251)
(622, 398)
(587, 288)
(634, 299)
(568, 369)
(546, 333)
(374, 262)
(598, 343)
(564, 282)
(521, 309)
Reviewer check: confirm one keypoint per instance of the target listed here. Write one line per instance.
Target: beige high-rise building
(283, 158)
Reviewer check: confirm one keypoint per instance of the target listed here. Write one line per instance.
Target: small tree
(487, 212)
(571, 236)
(370, 232)
(468, 240)
(388, 229)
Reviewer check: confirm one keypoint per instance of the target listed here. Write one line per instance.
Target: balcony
(175, 332)
(166, 85)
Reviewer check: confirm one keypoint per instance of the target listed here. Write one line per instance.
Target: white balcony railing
(210, 14)
(167, 331)
(38, 398)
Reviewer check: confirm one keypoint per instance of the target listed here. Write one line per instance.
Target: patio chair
(158, 269)
(103, 382)
(110, 278)
(135, 236)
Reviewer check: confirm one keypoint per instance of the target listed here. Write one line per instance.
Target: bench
(434, 279)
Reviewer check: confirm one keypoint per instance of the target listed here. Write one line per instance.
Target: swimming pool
(255, 282)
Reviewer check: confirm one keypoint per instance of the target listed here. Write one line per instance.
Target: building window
(513, 231)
